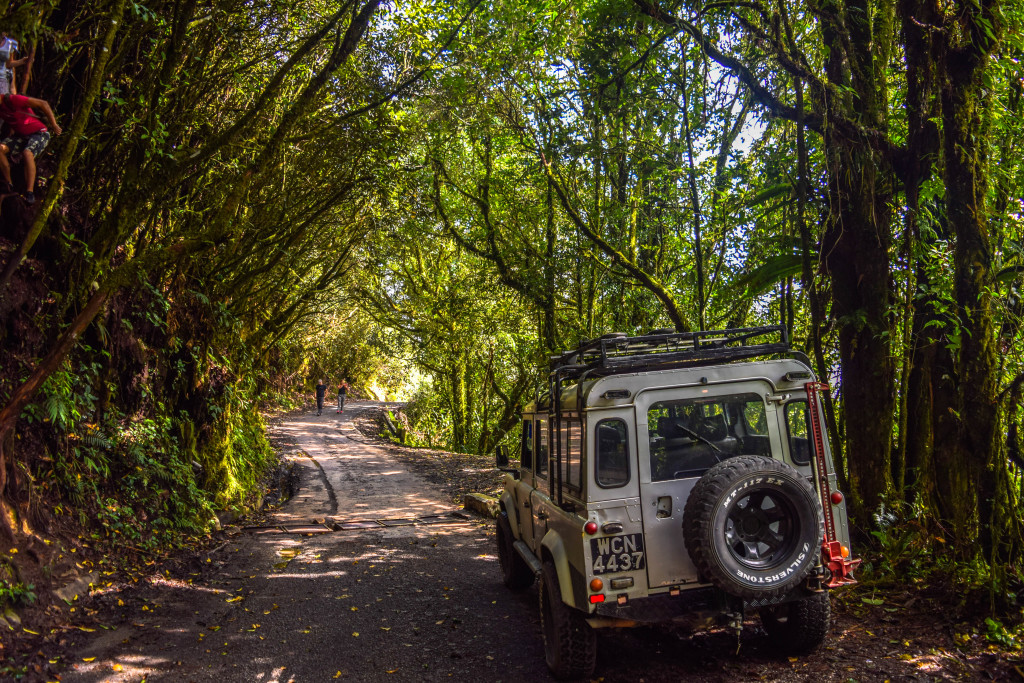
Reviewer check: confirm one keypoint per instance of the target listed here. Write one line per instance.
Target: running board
(528, 557)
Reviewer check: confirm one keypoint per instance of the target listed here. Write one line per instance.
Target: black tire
(516, 574)
(799, 627)
(570, 645)
(753, 526)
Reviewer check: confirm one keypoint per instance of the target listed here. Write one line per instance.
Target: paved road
(407, 602)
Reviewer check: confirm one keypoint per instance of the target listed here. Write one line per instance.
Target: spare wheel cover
(753, 526)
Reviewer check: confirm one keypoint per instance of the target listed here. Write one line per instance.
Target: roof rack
(616, 353)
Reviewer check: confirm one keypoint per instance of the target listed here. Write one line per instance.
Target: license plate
(612, 554)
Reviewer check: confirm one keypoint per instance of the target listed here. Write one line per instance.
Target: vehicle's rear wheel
(798, 627)
(570, 645)
(753, 526)
(516, 574)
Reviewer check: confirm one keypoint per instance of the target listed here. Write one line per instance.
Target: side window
(542, 448)
(798, 431)
(526, 450)
(612, 446)
(570, 434)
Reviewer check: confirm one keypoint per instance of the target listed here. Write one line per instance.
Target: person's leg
(34, 146)
(30, 170)
(5, 167)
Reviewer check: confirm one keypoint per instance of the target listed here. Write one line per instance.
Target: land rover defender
(675, 477)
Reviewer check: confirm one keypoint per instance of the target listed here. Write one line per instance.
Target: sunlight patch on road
(126, 667)
(315, 575)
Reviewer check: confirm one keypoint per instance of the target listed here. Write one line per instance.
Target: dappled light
(290, 290)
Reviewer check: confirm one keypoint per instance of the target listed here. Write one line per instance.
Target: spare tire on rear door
(753, 526)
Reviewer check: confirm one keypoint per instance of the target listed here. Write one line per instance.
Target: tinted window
(687, 437)
(570, 433)
(612, 446)
(797, 426)
(526, 450)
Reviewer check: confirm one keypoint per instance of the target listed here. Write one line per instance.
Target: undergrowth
(907, 549)
(152, 478)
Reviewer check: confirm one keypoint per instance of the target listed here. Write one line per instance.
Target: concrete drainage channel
(325, 526)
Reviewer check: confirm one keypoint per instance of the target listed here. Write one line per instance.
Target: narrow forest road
(404, 590)
(400, 601)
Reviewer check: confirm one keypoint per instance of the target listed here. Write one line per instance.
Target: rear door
(681, 433)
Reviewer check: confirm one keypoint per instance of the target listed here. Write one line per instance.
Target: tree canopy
(250, 197)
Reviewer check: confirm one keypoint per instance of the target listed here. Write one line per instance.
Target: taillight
(594, 599)
(836, 498)
(596, 585)
(590, 527)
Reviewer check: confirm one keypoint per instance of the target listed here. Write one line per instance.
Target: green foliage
(429, 419)
(902, 547)
(431, 218)
(16, 593)
(996, 632)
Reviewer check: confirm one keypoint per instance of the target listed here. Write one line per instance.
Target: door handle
(526, 503)
(542, 515)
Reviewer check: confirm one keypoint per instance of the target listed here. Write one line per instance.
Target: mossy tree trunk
(974, 458)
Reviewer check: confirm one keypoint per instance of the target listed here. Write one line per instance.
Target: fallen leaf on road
(385, 628)
(88, 659)
(355, 634)
(117, 667)
(234, 599)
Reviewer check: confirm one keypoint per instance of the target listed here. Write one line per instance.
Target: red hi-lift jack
(840, 567)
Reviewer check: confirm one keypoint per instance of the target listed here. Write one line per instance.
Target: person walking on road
(321, 392)
(342, 393)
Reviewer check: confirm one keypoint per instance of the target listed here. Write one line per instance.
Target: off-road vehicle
(675, 477)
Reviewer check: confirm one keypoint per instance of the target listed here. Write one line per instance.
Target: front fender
(508, 504)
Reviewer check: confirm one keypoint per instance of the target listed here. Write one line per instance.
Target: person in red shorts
(27, 135)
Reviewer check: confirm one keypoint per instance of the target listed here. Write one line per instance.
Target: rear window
(612, 446)
(688, 436)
